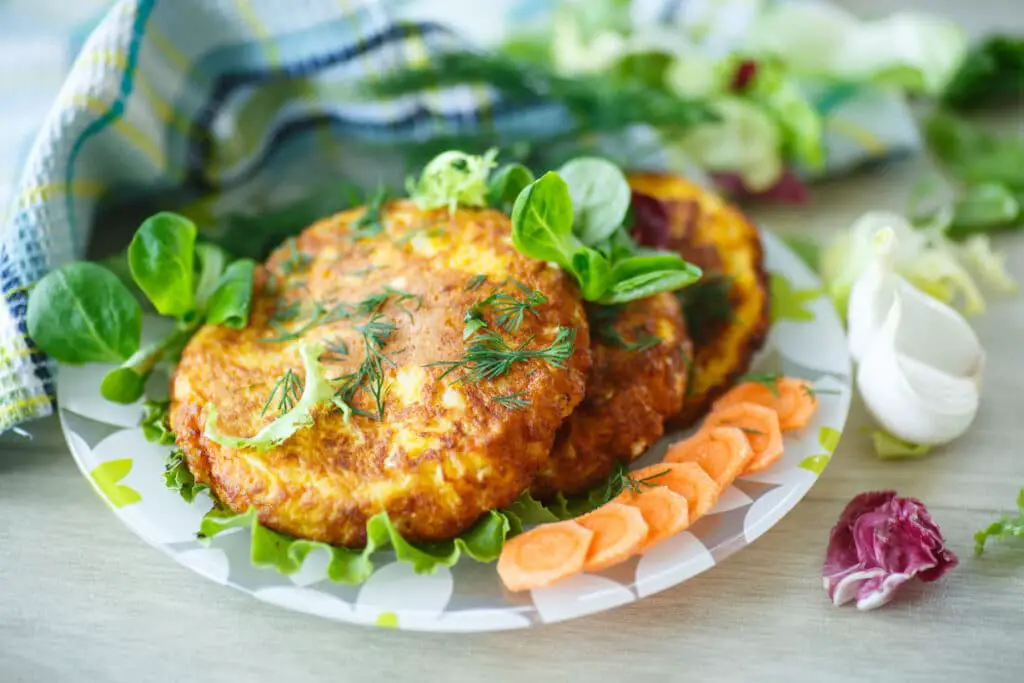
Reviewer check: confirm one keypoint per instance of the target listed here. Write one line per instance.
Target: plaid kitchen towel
(235, 107)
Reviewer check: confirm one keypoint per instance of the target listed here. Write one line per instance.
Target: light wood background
(84, 599)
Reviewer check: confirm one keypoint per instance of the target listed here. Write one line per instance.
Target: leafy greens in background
(1007, 527)
(992, 73)
(84, 313)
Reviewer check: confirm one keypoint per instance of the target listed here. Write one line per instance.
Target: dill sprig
(488, 356)
(602, 325)
(430, 231)
(706, 307)
(321, 313)
(370, 374)
(509, 311)
(295, 261)
(597, 103)
(287, 390)
(474, 283)
(637, 486)
(769, 380)
(334, 350)
(375, 302)
(513, 401)
(369, 222)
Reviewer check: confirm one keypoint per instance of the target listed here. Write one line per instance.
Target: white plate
(806, 340)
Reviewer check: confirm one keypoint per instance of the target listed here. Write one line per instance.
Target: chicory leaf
(1006, 527)
(505, 185)
(82, 313)
(229, 303)
(162, 257)
(318, 389)
(600, 197)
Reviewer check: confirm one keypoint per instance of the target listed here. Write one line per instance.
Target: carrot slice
(687, 479)
(793, 399)
(665, 512)
(723, 452)
(543, 555)
(619, 531)
(760, 424)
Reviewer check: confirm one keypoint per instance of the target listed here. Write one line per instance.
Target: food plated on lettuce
(469, 369)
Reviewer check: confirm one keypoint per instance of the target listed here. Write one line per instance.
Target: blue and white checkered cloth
(239, 106)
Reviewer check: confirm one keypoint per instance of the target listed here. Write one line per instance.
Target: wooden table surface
(84, 599)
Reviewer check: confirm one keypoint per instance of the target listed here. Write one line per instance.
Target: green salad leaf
(212, 260)
(162, 260)
(974, 155)
(984, 208)
(318, 389)
(154, 422)
(600, 197)
(82, 313)
(178, 477)
(453, 179)
(229, 303)
(506, 184)
(482, 542)
(1007, 527)
(542, 228)
(992, 72)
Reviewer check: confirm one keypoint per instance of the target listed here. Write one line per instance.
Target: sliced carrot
(793, 399)
(687, 479)
(723, 452)
(543, 555)
(665, 512)
(619, 531)
(759, 423)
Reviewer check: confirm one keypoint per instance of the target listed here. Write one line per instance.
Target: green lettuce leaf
(453, 179)
(154, 422)
(318, 389)
(272, 549)
(1006, 527)
(178, 477)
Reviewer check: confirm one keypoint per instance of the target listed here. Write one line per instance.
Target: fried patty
(637, 380)
(444, 452)
(727, 312)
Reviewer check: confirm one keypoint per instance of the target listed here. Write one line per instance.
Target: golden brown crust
(715, 235)
(629, 395)
(443, 454)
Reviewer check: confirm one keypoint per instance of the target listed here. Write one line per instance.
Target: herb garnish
(475, 282)
(287, 389)
(618, 481)
(488, 356)
(602, 325)
(769, 380)
(370, 374)
(512, 401)
(369, 224)
(295, 261)
(334, 350)
(706, 307)
(321, 314)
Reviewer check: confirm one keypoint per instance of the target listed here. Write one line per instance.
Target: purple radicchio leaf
(651, 226)
(880, 542)
(788, 189)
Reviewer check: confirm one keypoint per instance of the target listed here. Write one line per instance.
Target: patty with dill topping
(638, 379)
(458, 359)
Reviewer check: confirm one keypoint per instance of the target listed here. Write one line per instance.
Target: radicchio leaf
(880, 542)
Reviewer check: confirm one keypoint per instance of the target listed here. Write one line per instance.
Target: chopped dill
(321, 314)
(813, 392)
(295, 261)
(334, 350)
(475, 282)
(285, 312)
(768, 380)
(488, 356)
(602, 324)
(375, 302)
(369, 222)
(370, 374)
(509, 311)
(432, 231)
(363, 271)
(637, 486)
(287, 389)
(706, 307)
(512, 401)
